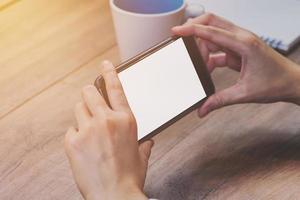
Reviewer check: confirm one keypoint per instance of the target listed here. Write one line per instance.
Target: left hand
(105, 157)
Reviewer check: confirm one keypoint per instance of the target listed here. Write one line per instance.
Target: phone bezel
(198, 63)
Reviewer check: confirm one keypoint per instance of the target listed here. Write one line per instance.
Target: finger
(212, 47)
(114, 87)
(219, 37)
(82, 115)
(206, 48)
(176, 29)
(223, 60)
(94, 101)
(229, 96)
(189, 21)
(145, 149)
(213, 20)
(71, 133)
(71, 130)
(213, 60)
(204, 51)
(70, 137)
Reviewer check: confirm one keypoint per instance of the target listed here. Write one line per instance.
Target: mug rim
(115, 7)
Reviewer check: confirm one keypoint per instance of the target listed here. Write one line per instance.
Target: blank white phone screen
(161, 86)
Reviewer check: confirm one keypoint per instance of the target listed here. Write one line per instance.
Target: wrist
(295, 86)
(130, 194)
(124, 193)
(297, 91)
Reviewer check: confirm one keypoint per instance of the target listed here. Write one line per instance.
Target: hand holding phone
(265, 75)
(163, 84)
(105, 157)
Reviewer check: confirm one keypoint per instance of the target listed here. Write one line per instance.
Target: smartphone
(163, 84)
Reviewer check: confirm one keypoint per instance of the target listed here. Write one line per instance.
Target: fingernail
(106, 62)
(200, 114)
(106, 66)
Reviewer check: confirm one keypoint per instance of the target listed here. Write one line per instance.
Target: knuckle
(109, 123)
(87, 89)
(210, 31)
(131, 121)
(98, 110)
(71, 143)
(219, 101)
(128, 117)
(78, 107)
(128, 120)
(210, 16)
(87, 128)
(104, 157)
(189, 21)
(252, 41)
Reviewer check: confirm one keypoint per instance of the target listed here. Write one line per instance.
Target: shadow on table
(237, 157)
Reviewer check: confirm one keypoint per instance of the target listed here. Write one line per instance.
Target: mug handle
(193, 9)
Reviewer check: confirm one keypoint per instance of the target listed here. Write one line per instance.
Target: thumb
(145, 149)
(220, 99)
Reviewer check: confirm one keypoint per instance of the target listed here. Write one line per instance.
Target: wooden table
(50, 49)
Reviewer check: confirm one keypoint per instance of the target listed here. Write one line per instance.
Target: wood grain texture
(43, 41)
(34, 163)
(4, 4)
(240, 152)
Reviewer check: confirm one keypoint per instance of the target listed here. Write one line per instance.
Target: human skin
(105, 157)
(265, 75)
(104, 154)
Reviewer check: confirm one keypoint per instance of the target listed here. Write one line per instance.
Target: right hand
(265, 75)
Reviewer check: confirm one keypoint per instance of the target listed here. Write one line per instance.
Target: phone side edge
(199, 65)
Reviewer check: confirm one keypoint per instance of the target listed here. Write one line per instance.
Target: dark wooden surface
(50, 49)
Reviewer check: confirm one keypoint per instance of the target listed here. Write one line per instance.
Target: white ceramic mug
(140, 24)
